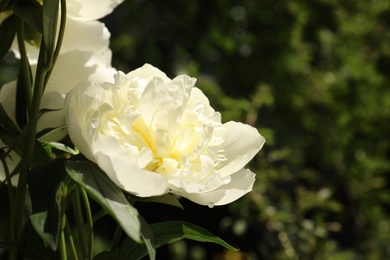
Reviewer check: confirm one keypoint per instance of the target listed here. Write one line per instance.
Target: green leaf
(36, 248)
(14, 140)
(107, 194)
(45, 183)
(169, 232)
(108, 255)
(148, 238)
(6, 122)
(61, 147)
(7, 35)
(30, 12)
(167, 199)
(50, 15)
(24, 81)
(4, 5)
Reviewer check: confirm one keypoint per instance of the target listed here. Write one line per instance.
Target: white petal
(123, 169)
(92, 36)
(162, 102)
(90, 9)
(240, 184)
(85, 36)
(147, 72)
(78, 103)
(75, 67)
(242, 143)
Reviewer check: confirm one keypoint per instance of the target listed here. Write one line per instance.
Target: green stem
(116, 238)
(12, 249)
(68, 233)
(63, 246)
(90, 223)
(28, 149)
(79, 222)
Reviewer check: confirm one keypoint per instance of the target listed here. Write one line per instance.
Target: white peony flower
(82, 31)
(71, 68)
(153, 135)
(79, 35)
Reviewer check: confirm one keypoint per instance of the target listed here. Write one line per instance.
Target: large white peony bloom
(153, 135)
(71, 68)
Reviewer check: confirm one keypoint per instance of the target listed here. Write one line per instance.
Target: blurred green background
(313, 77)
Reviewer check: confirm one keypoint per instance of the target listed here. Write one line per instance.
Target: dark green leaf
(167, 199)
(36, 248)
(50, 15)
(6, 122)
(15, 141)
(108, 255)
(44, 184)
(7, 35)
(24, 81)
(4, 5)
(169, 232)
(30, 12)
(148, 238)
(107, 194)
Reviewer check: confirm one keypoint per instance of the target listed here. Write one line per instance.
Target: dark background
(313, 77)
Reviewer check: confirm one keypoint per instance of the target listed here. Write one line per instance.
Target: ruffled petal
(147, 72)
(242, 143)
(241, 183)
(123, 169)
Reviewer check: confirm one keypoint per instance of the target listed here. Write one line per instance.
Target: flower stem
(79, 222)
(90, 223)
(116, 238)
(68, 233)
(63, 246)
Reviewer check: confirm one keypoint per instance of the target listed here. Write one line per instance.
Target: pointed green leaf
(30, 12)
(7, 35)
(4, 5)
(44, 184)
(6, 122)
(14, 141)
(36, 248)
(167, 199)
(169, 232)
(97, 184)
(148, 238)
(24, 81)
(108, 255)
(50, 17)
(61, 147)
